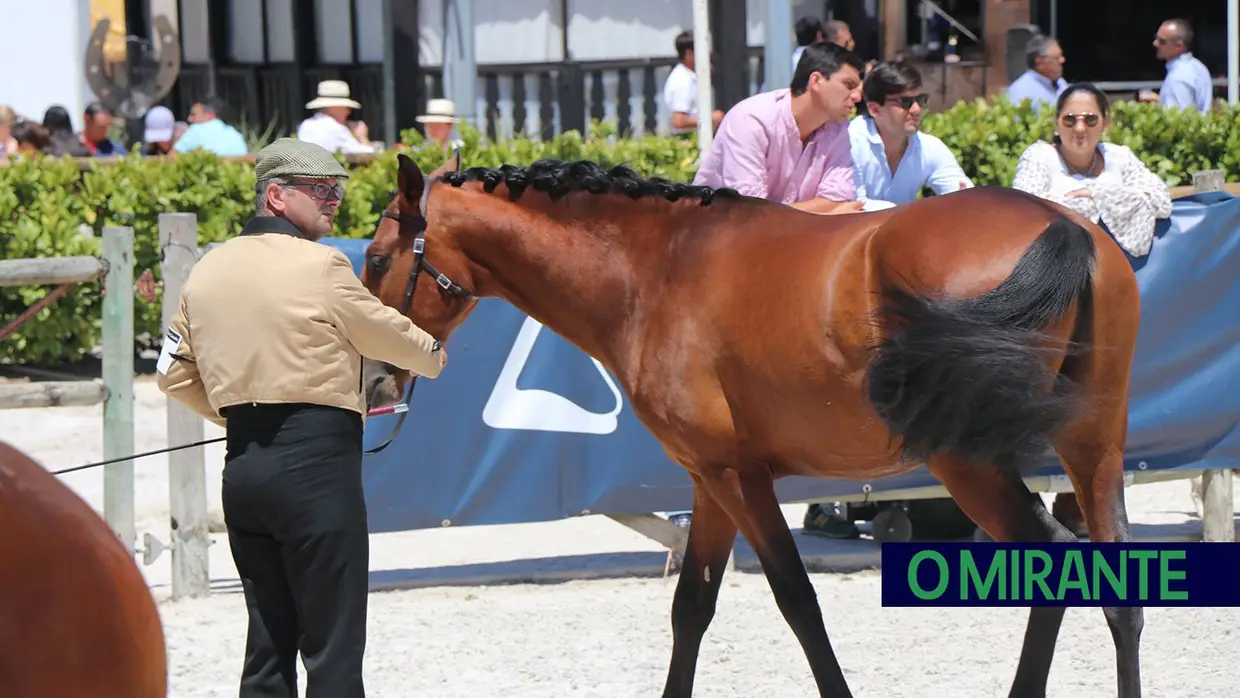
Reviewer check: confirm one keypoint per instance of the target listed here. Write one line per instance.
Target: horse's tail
(972, 377)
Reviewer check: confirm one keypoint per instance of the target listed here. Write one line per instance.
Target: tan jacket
(272, 317)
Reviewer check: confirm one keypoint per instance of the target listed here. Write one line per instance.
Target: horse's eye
(378, 262)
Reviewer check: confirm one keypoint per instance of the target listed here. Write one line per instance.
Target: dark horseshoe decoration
(132, 101)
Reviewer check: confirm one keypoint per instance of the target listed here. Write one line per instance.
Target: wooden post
(118, 350)
(45, 271)
(1218, 523)
(1208, 180)
(187, 470)
(52, 394)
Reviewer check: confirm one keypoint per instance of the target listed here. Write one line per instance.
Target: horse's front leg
(748, 495)
(711, 536)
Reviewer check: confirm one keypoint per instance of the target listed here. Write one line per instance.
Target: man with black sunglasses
(892, 162)
(892, 159)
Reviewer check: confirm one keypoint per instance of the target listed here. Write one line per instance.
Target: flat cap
(289, 157)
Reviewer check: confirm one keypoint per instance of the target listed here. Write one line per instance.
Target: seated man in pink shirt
(792, 145)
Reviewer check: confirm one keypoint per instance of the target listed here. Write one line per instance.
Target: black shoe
(829, 521)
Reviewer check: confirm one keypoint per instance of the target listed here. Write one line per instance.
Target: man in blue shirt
(892, 159)
(1188, 84)
(209, 132)
(1042, 82)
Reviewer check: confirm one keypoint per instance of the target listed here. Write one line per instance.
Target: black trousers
(296, 517)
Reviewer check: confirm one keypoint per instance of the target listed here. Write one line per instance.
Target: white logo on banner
(510, 407)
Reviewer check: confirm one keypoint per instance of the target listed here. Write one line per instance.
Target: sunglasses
(1069, 120)
(908, 102)
(324, 190)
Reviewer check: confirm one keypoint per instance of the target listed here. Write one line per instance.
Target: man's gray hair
(832, 28)
(1038, 47)
(1180, 29)
(260, 193)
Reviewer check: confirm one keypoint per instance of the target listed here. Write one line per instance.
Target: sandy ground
(610, 636)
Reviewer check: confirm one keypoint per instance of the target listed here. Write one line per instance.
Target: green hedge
(49, 208)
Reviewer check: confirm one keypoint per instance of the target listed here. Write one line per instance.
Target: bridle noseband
(445, 284)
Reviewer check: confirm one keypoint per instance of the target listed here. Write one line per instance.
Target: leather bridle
(444, 283)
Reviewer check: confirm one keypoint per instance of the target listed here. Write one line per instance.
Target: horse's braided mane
(556, 178)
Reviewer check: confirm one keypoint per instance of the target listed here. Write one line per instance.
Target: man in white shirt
(680, 91)
(808, 30)
(1188, 84)
(330, 127)
(892, 159)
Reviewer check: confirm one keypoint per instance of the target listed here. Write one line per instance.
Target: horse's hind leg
(1097, 470)
(711, 536)
(750, 500)
(1001, 504)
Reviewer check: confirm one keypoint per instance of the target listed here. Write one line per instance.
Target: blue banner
(525, 427)
(1202, 575)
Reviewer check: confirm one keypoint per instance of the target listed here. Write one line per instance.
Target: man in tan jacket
(268, 342)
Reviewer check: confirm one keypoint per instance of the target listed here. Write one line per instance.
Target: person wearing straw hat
(267, 341)
(330, 127)
(439, 119)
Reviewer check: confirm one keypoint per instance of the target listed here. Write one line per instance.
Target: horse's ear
(409, 180)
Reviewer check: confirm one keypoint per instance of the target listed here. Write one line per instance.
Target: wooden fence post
(118, 351)
(187, 476)
(1218, 518)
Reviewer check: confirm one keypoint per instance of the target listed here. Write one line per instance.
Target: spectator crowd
(845, 136)
(205, 128)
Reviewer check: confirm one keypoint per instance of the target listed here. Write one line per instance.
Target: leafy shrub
(50, 208)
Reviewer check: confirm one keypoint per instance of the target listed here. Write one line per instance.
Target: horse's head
(416, 269)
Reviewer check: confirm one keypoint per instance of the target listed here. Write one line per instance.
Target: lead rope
(401, 408)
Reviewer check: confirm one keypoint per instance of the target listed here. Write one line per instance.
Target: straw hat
(332, 93)
(439, 111)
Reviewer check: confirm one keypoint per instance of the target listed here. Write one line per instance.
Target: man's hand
(848, 207)
(829, 208)
(1084, 191)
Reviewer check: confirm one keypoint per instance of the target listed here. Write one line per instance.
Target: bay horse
(78, 617)
(973, 332)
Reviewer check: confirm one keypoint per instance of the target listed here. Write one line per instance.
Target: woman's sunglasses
(1069, 120)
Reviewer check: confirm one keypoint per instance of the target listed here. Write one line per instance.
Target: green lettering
(916, 587)
(971, 577)
(1014, 587)
(1039, 577)
(1072, 576)
(1165, 575)
(1143, 571)
(1118, 584)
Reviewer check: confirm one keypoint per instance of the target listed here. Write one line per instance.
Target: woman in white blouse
(1105, 182)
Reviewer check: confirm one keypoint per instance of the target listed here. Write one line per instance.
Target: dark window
(1112, 40)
